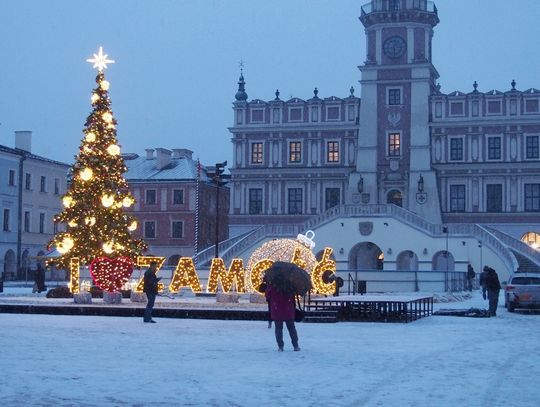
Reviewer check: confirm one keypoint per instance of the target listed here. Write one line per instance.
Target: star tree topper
(100, 60)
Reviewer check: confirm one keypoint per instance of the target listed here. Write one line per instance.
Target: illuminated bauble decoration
(72, 223)
(132, 226)
(107, 200)
(110, 126)
(118, 246)
(90, 221)
(283, 250)
(108, 247)
(104, 85)
(67, 201)
(90, 137)
(87, 149)
(94, 98)
(65, 245)
(113, 149)
(118, 205)
(107, 117)
(127, 201)
(86, 174)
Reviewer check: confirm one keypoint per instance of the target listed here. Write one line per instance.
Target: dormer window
(257, 115)
(295, 114)
(332, 113)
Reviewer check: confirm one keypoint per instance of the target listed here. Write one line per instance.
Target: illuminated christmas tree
(97, 225)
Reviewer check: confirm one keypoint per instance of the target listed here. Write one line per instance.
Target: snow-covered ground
(48, 360)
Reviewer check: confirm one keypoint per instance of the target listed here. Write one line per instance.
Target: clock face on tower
(394, 47)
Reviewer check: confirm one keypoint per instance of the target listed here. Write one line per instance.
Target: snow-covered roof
(142, 168)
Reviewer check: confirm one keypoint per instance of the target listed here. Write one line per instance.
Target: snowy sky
(177, 61)
(61, 361)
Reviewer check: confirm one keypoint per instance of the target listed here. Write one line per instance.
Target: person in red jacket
(282, 310)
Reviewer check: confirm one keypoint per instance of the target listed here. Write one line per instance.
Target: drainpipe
(19, 214)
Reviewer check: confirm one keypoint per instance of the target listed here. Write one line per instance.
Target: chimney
(149, 153)
(182, 153)
(163, 158)
(23, 140)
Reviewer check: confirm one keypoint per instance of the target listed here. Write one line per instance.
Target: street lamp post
(218, 179)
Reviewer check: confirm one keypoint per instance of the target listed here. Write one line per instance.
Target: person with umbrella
(284, 281)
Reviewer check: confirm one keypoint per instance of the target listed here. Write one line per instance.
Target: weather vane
(241, 65)
(100, 60)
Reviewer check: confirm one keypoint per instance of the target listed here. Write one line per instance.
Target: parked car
(522, 291)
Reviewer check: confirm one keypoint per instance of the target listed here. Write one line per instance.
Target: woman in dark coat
(282, 310)
(39, 279)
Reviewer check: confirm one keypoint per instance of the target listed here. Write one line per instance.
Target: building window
(150, 229)
(295, 201)
(42, 184)
(494, 198)
(393, 5)
(352, 115)
(531, 106)
(150, 197)
(276, 115)
(255, 201)
(257, 115)
(56, 186)
(55, 228)
(41, 223)
(494, 107)
(26, 221)
(531, 145)
(331, 197)
(438, 109)
(532, 197)
(256, 153)
(394, 144)
(475, 107)
(456, 149)
(295, 152)
(11, 178)
(394, 96)
(494, 148)
(178, 196)
(513, 107)
(177, 229)
(457, 198)
(6, 220)
(332, 113)
(456, 108)
(239, 114)
(295, 114)
(27, 181)
(314, 113)
(332, 155)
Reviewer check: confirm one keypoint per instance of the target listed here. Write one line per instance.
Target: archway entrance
(443, 261)
(366, 256)
(9, 265)
(407, 260)
(395, 197)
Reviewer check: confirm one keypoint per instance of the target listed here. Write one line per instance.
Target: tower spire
(241, 94)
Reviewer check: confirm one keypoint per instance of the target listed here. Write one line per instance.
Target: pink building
(175, 203)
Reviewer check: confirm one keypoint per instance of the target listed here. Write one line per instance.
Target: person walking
(39, 279)
(493, 287)
(482, 281)
(282, 311)
(151, 290)
(470, 276)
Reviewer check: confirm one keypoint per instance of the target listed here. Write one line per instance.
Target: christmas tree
(97, 225)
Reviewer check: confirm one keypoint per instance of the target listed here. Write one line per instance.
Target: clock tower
(398, 77)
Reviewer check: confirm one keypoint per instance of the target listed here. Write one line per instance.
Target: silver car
(522, 291)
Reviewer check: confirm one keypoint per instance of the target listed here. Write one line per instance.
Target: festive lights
(326, 264)
(97, 189)
(72, 223)
(133, 226)
(218, 273)
(113, 149)
(144, 261)
(86, 174)
(185, 276)
(127, 201)
(111, 274)
(74, 265)
(257, 273)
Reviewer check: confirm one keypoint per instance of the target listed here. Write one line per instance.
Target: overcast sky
(177, 68)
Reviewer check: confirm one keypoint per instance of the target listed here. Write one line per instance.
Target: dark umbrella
(288, 278)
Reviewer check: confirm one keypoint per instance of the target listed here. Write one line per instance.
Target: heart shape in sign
(111, 274)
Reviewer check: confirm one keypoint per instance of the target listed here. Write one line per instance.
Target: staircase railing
(518, 245)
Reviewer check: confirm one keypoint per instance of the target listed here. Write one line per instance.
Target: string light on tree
(98, 191)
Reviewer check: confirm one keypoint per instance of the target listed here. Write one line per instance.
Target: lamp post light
(218, 179)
